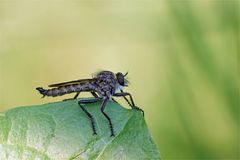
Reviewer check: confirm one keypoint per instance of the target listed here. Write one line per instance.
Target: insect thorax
(106, 83)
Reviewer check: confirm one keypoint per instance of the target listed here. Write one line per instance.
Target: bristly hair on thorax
(109, 83)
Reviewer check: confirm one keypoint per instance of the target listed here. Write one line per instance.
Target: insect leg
(124, 94)
(132, 105)
(94, 94)
(114, 100)
(108, 118)
(75, 97)
(87, 101)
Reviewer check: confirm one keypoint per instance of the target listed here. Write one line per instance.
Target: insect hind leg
(88, 101)
(75, 97)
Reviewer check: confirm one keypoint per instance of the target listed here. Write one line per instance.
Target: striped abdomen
(65, 89)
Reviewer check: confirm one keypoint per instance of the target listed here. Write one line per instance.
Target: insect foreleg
(115, 101)
(87, 101)
(108, 118)
(128, 100)
(124, 94)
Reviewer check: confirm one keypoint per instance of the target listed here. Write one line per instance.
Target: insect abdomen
(63, 90)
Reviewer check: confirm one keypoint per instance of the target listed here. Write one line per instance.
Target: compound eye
(121, 81)
(120, 78)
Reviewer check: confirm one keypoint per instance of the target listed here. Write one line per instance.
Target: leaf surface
(61, 131)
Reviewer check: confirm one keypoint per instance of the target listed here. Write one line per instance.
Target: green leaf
(61, 130)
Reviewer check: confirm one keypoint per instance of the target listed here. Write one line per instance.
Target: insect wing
(71, 82)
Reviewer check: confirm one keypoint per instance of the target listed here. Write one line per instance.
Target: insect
(103, 86)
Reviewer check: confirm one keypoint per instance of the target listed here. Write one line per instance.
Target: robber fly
(103, 86)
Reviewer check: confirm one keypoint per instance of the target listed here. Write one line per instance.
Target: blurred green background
(182, 59)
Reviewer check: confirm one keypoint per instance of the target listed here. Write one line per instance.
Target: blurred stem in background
(203, 50)
(201, 53)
